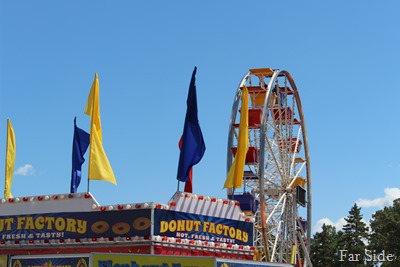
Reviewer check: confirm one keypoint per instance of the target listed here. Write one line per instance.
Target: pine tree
(352, 237)
(324, 247)
(385, 233)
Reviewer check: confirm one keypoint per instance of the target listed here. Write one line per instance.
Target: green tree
(385, 233)
(352, 238)
(324, 247)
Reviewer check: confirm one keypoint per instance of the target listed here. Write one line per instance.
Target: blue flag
(193, 146)
(79, 147)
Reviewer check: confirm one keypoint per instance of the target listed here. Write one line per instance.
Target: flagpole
(89, 166)
(5, 174)
(90, 155)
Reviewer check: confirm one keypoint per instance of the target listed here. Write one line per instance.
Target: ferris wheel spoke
(297, 174)
(274, 159)
(276, 206)
(278, 231)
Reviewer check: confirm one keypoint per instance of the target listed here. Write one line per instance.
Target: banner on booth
(76, 225)
(115, 260)
(59, 261)
(200, 227)
(239, 263)
(3, 260)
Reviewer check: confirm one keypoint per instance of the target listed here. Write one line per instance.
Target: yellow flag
(235, 174)
(99, 166)
(10, 159)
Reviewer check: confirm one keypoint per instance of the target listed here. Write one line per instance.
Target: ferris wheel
(276, 183)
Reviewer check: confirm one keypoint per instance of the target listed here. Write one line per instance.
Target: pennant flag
(99, 166)
(79, 146)
(235, 174)
(193, 146)
(10, 159)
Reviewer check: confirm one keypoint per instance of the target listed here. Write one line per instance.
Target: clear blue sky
(343, 55)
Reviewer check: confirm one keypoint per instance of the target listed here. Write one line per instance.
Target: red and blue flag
(193, 146)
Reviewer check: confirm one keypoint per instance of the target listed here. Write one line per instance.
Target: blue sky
(343, 55)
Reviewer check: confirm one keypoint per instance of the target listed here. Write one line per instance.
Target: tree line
(356, 244)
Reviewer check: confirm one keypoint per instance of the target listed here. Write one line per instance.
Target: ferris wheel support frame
(306, 152)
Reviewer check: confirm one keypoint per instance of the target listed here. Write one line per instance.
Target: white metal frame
(277, 219)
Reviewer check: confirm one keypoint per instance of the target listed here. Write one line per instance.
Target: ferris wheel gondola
(276, 182)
